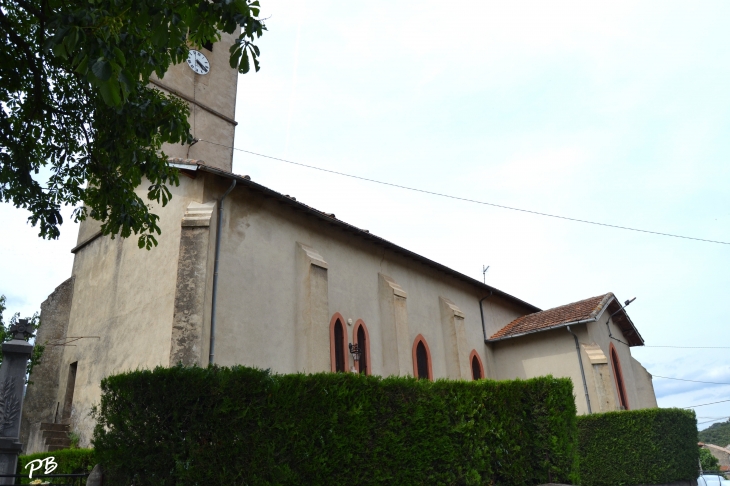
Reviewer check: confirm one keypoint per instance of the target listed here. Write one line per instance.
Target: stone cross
(12, 382)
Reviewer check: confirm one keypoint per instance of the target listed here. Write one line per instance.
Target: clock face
(198, 62)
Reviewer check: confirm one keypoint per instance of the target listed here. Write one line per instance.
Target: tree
(75, 102)
(5, 336)
(708, 462)
(718, 434)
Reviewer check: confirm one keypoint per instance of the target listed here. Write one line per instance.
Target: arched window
(477, 368)
(362, 339)
(619, 379)
(338, 344)
(422, 359)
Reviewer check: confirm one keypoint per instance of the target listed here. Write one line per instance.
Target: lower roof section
(583, 311)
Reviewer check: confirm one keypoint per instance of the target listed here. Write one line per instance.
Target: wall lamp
(355, 351)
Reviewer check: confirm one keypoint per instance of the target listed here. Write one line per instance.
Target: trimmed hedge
(652, 446)
(70, 461)
(215, 425)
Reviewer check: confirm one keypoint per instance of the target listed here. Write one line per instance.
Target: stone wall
(40, 404)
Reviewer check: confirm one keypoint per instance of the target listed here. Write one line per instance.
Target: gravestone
(12, 382)
(96, 478)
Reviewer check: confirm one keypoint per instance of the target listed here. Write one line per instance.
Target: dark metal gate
(50, 479)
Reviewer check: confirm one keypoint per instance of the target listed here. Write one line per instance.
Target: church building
(246, 275)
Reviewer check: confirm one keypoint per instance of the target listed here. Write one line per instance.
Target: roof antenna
(484, 273)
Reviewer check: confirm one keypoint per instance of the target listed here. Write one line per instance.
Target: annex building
(295, 287)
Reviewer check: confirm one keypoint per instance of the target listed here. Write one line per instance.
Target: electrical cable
(689, 347)
(703, 404)
(469, 200)
(693, 381)
(708, 421)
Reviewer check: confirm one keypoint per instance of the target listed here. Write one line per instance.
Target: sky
(614, 112)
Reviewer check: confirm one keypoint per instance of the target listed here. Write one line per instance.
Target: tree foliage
(708, 461)
(647, 446)
(175, 426)
(718, 434)
(78, 121)
(5, 336)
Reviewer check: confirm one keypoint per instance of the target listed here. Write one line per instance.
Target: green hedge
(70, 461)
(188, 426)
(652, 446)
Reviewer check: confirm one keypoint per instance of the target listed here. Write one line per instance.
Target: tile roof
(565, 314)
(716, 447)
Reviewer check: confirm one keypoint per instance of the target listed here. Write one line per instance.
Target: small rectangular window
(208, 46)
(70, 385)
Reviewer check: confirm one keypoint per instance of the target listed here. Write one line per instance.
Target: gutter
(542, 329)
(481, 311)
(183, 166)
(215, 271)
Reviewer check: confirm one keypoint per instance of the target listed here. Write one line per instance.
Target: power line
(708, 421)
(703, 404)
(693, 381)
(689, 347)
(466, 199)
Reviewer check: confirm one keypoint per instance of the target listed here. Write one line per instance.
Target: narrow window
(421, 359)
(362, 344)
(339, 356)
(339, 347)
(619, 378)
(208, 46)
(69, 399)
(476, 370)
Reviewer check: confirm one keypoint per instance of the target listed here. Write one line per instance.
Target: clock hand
(201, 65)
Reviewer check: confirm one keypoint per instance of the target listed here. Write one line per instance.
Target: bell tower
(208, 83)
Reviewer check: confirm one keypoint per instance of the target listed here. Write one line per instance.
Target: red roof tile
(565, 314)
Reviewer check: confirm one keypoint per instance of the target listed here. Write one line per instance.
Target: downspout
(481, 311)
(582, 373)
(215, 271)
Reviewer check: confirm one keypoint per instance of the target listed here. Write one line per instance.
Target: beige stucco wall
(123, 295)
(258, 289)
(644, 386)
(639, 390)
(216, 90)
(544, 353)
(553, 352)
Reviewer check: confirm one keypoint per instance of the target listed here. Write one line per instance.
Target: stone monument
(12, 382)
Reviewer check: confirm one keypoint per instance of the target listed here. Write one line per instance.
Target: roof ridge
(598, 308)
(604, 302)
